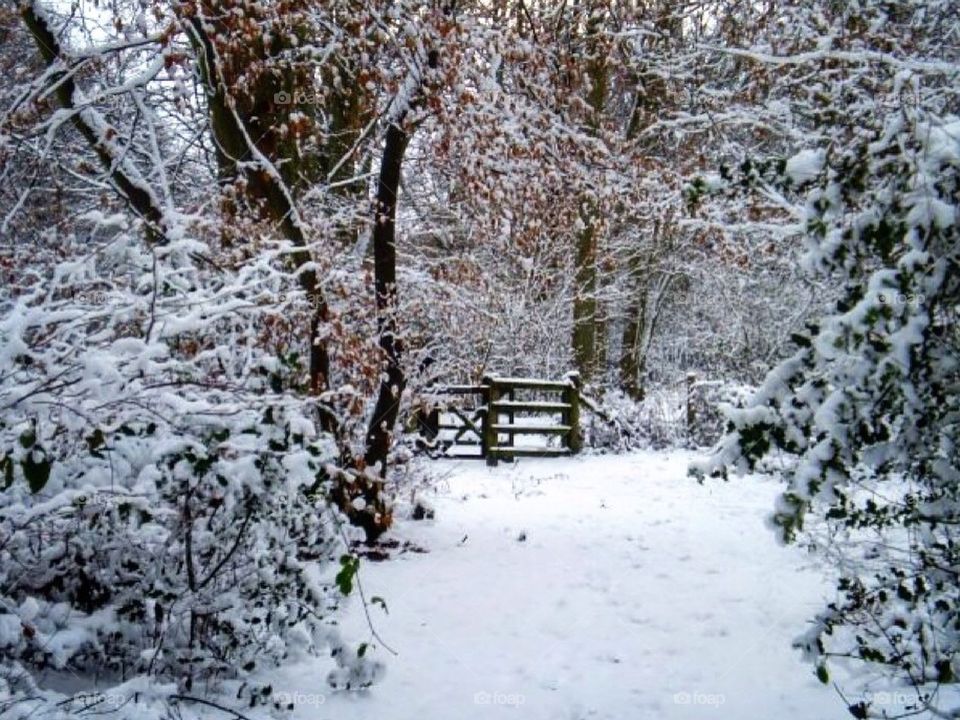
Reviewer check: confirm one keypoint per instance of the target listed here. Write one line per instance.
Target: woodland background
(239, 238)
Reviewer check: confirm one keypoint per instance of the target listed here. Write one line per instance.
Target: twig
(229, 554)
(366, 612)
(210, 703)
(363, 597)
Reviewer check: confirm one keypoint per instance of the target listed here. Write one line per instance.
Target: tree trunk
(585, 300)
(589, 331)
(631, 360)
(392, 382)
(601, 340)
(376, 516)
(243, 130)
(123, 176)
(385, 279)
(650, 290)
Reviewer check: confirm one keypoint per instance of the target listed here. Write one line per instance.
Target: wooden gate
(453, 423)
(504, 418)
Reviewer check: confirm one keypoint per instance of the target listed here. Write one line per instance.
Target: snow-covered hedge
(866, 413)
(165, 511)
(185, 555)
(674, 415)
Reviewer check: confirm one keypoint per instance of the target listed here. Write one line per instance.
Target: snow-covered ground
(586, 588)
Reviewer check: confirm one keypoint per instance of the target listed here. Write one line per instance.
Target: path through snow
(635, 594)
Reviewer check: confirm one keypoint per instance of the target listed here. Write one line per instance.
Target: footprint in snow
(716, 632)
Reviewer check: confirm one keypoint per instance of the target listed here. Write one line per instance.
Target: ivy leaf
(348, 570)
(377, 600)
(96, 441)
(822, 674)
(859, 710)
(36, 472)
(276, 383)
(28, 439)
(6, 464)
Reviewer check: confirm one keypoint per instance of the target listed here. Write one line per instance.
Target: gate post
(489, 441)
(432, 422)
(572, 394)
(691, 418)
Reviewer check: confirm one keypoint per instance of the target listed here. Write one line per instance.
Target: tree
(260, 99)
(412, 97)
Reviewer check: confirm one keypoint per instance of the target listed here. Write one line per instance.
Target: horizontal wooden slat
(532, 429)
(531, 406)
(508, 451)
(531, 383)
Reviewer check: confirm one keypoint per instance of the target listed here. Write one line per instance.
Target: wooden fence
(500, 413)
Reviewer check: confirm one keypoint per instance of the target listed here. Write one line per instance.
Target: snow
(590, 587)
(805, 165)
(932, 211)
(11, 631)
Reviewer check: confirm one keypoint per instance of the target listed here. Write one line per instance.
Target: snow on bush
(165, 509)
(672, 415)
(868, 407)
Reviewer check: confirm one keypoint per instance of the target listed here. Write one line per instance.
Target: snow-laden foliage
(165, 500)
(864, 415)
